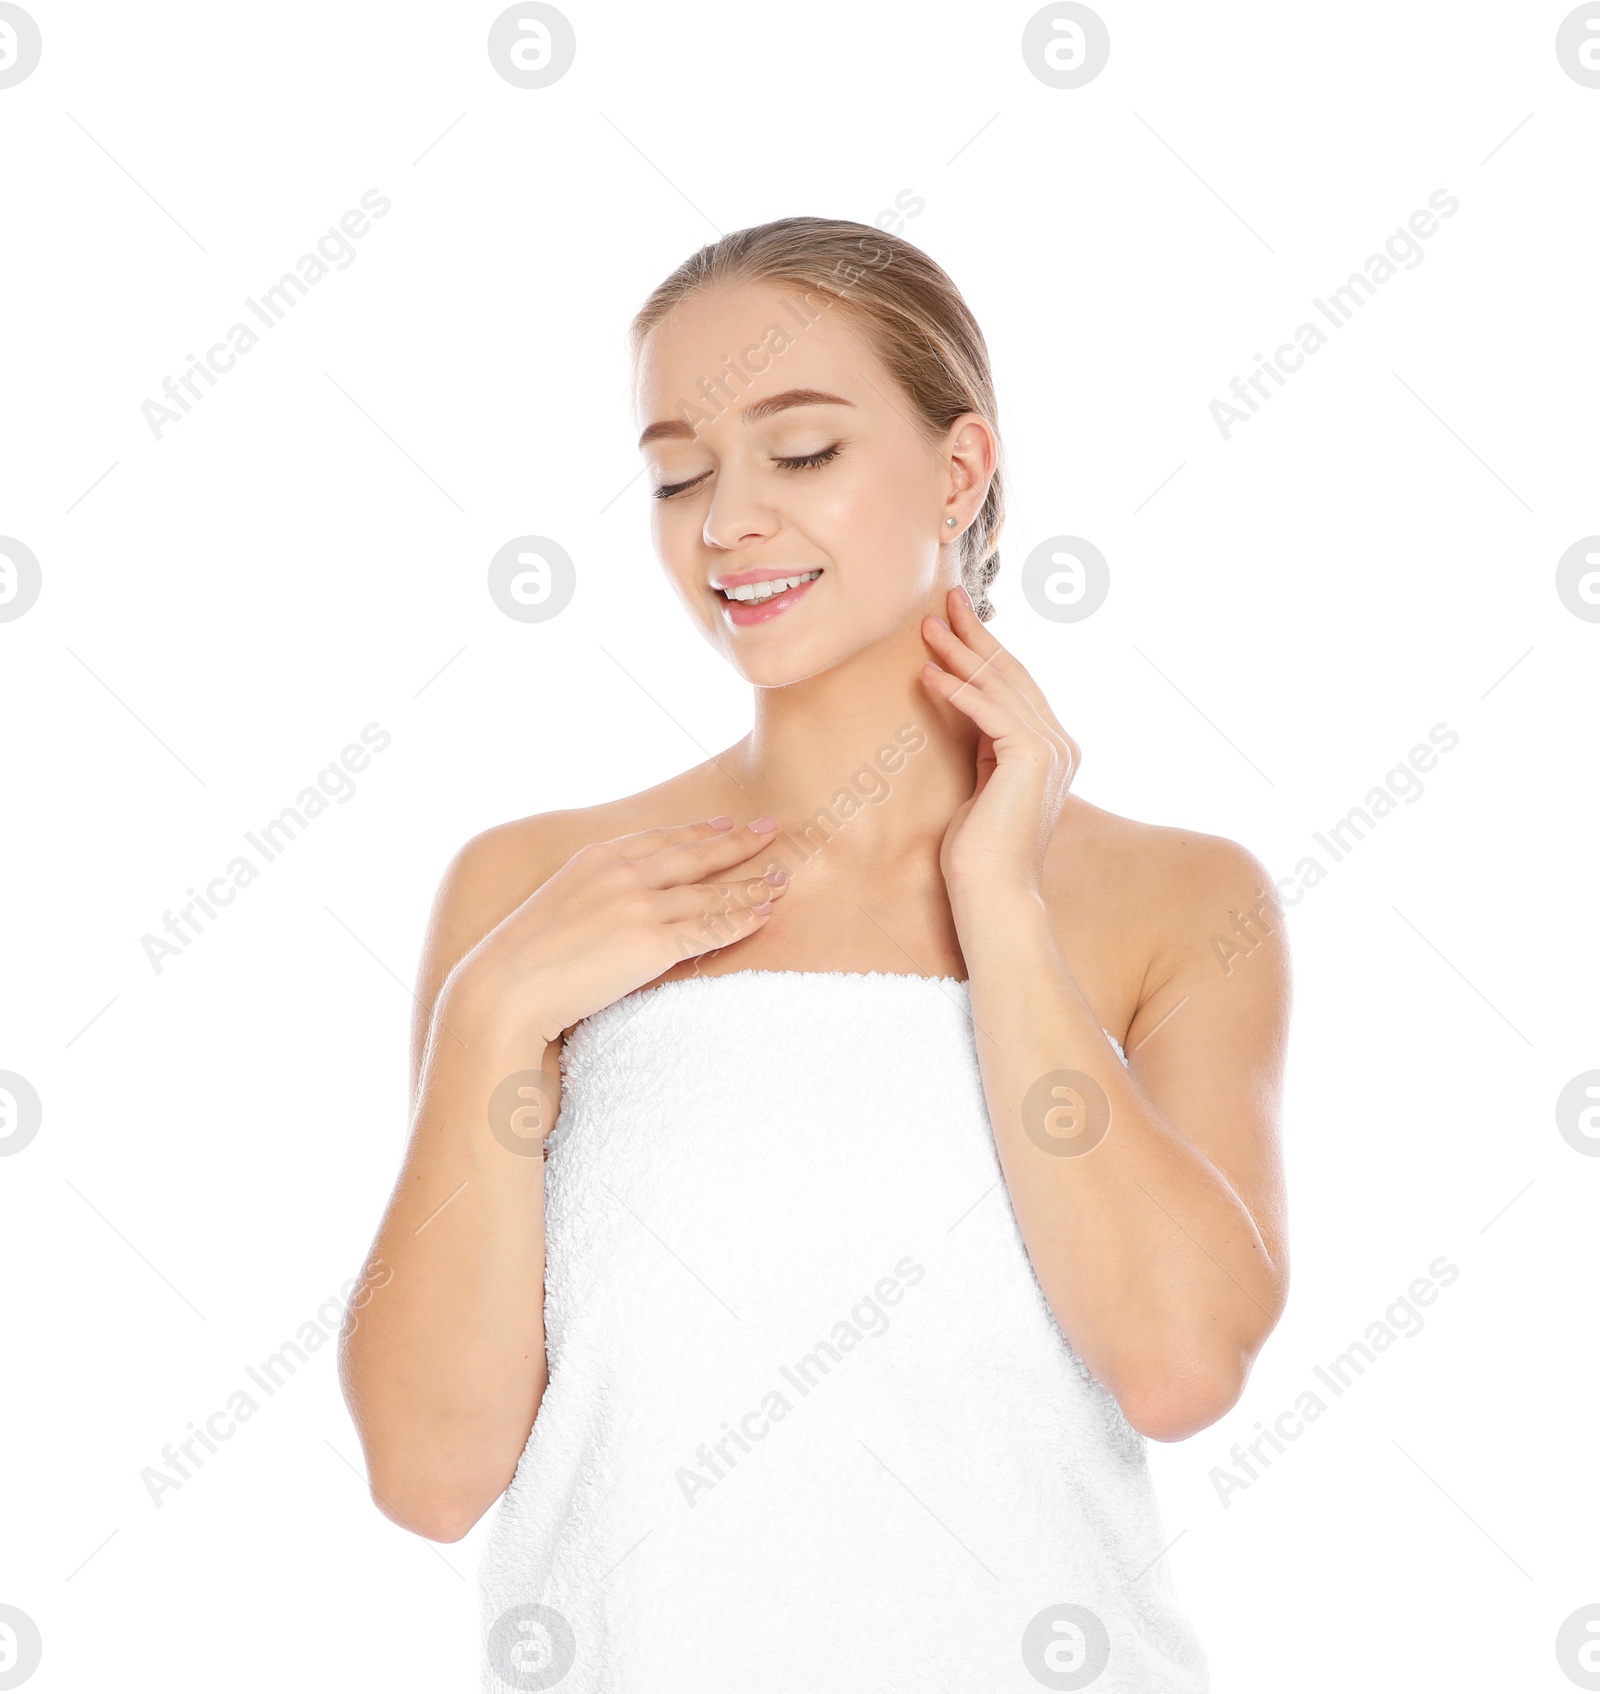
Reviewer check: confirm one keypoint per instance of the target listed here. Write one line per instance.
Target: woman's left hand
(996, 840)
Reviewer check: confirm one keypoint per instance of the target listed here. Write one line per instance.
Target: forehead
(722, 348)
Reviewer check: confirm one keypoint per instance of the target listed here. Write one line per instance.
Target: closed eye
(806, 462)
(810, 461)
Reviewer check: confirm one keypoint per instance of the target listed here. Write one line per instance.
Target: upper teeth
(765, 590)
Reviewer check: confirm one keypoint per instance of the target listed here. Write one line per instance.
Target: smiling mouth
(754, 593)
(746, 604)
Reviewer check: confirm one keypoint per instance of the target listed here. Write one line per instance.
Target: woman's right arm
(442, 1354)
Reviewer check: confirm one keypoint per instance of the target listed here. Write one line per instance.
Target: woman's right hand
(614, 917)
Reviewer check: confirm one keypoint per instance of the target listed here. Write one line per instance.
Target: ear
(972, 450)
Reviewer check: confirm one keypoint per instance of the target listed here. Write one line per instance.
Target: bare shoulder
(494, 872)
(1196, 930)
(1160, 900)
(1165, 874)
(491, 874)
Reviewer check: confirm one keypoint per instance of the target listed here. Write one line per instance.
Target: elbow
(444, 1523)
(1180, 1404)
(1186, 1388)
(434, 1518)
(439, 1502)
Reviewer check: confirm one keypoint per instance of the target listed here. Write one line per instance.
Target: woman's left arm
(1149, 1198)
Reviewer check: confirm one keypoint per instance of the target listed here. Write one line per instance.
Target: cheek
(677, 547)
(876, 526)
(867, 518)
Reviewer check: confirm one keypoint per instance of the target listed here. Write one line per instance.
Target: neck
(861, 758)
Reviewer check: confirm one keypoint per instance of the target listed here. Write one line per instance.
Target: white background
(224, 608)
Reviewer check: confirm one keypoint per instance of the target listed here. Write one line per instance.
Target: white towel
(810, 1423)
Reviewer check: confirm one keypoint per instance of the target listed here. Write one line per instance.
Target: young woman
(816, 1345)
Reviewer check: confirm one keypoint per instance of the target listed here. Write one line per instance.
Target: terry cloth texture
(810, 1422)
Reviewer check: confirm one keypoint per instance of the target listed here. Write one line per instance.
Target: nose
(737, 515)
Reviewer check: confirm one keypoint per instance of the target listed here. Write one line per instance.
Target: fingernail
(942, 624)
(763, 908)
(762, 825)
(961, 589)
(776, 879)
(723, 822)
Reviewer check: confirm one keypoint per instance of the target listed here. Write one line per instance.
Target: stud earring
(949, 523)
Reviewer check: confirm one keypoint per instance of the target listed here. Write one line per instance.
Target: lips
(758, 596)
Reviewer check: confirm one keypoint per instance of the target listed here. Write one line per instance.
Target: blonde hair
(911, 312)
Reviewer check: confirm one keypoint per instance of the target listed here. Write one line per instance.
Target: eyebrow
(675, 429)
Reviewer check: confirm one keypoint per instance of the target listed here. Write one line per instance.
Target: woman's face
(813, 467)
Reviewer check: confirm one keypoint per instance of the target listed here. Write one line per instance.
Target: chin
(781, 660)
(783, 663)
